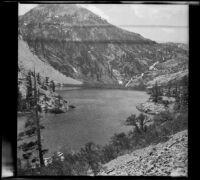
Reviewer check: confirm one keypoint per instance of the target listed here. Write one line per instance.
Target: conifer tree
(52, 85)
(38, 79)
(19, 106)
(47, 82)
(169, 87)
(37, 121)
(156, 93)
(29, 92)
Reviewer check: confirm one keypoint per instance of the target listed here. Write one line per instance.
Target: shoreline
(99, 86)
(95, 88)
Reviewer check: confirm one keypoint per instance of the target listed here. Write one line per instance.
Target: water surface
(97, 116)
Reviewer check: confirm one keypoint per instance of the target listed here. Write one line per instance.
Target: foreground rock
(164, 159)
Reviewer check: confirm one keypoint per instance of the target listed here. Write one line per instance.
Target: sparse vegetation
(89, 159)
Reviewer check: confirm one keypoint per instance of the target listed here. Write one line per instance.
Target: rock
(178, 172)
(166, 149)
(151, 107)
(72, 106)
(56, 111)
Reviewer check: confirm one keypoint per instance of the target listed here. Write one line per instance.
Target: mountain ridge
(86, 47)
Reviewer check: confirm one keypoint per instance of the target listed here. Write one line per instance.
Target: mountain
(83, 46)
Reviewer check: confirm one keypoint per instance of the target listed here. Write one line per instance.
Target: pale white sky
(161, 23)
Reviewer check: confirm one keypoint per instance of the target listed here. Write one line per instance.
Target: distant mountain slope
(28, 61)
(86, 47)
(171, 70)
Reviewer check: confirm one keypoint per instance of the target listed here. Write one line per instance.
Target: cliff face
(28, 61)
(82, 45)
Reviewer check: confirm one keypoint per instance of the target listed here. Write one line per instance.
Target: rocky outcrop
(51, 102)
(163, 72)
(48, 100)
(151, 107)
(165, 79)
(164, 159)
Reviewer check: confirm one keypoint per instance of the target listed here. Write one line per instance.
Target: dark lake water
(97, 116)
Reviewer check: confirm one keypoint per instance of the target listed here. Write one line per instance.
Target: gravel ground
(164, 159)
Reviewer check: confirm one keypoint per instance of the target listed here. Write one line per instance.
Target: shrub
(163, 117)
(120, 142)
(165, 103)
(167, 123)
(56, 168)
(179, 123)
(91, 155)
(138, 122)
(156, 93)
(74, 164)
(108, 153)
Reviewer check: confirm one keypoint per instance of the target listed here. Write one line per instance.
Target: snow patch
(118, 76)
(128, 82)
(152, 67)
(74, 69)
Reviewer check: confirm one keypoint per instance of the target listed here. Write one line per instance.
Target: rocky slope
(86, 47)
(27, 61)
(171, 71)
(163, 159)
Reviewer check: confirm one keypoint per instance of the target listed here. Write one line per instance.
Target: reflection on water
(97, 116)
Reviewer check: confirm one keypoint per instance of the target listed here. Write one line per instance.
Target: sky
(161, 23)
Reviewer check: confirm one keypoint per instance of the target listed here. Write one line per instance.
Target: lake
(98, 115)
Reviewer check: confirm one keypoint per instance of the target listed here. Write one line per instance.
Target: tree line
(90, 158)
(32, 151)
(177, 90)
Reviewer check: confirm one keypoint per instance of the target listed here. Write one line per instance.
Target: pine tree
(38, 79)
(177, 96)
(169, 87)
(52, 85)
(19, 106)
(156, 93)
(38, 123)
(32, 129)
(47, 82)
(184, 94)
(29, 92)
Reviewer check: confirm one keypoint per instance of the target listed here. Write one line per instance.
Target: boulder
(56, 111)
